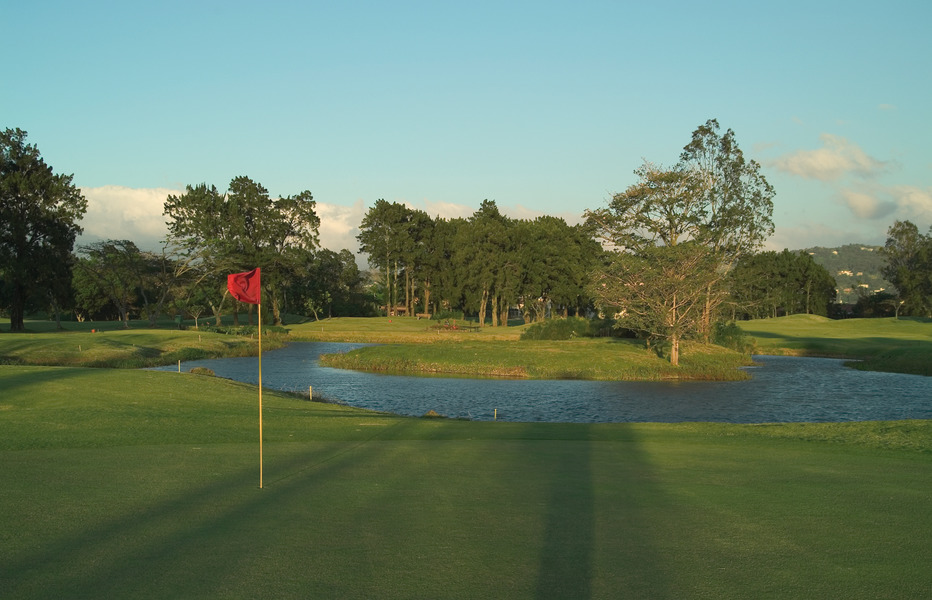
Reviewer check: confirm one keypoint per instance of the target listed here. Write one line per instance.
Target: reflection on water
(782, 389)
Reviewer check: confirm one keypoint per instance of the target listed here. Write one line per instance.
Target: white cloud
(867, 206)
(899, 202)
(339, 225)
(914, 202)
(807, 235)
(447, 210)
(116, 212)
(835, 159)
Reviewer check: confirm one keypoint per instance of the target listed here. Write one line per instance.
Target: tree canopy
(245, 228)
(39, 215)
(909, 267)
(713, 200)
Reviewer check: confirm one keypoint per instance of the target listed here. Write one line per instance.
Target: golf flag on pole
(246, 287)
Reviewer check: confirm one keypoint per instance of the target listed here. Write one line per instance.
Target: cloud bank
(837, 158)
(122, 213)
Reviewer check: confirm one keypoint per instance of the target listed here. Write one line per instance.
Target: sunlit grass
(603, 359)
(392, 330)
(900, 345)
(124, 348)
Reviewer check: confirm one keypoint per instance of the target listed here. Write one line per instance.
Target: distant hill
(854, 267)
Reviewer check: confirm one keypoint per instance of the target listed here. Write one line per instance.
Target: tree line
(484, 265)
(673, 254)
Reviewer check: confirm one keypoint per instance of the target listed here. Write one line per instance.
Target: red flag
(245, 286)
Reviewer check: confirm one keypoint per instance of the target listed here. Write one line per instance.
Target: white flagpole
(260, 395)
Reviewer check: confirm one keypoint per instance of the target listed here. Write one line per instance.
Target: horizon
(544, 108)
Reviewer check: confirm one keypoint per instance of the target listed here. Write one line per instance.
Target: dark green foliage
(484, 265)
(729, 335)
(241, 230)
(559, 329)
(203, 371)
(909, 267)
(245, 330)
(872, 306)
(448, 314)
(39, 215)
(771, 284)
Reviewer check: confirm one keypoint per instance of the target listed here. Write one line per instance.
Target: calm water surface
(782, 389)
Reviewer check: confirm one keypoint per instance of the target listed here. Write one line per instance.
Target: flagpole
(260, 395)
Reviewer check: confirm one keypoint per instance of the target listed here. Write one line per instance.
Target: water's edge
(782, 389)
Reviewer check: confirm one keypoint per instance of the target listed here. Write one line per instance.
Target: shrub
(448, 314)
(203, 371)
(729, 335)
(245, 330)
(558, 329)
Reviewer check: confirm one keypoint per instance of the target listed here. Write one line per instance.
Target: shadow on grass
(566, 561)
(416, 509)
(16, 377)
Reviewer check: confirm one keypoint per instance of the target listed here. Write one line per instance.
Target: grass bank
(400, 330)
(107, 345)
(602, 359)
(140, 484)
(897, 345)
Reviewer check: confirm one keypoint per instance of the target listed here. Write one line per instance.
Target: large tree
(39, 215)
(243, 229)
(117, 270)
(382, 235)
(737, 202)
(659, 292)
(909, 267)
(713, 198)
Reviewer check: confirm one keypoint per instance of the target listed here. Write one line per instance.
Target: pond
(782, 389)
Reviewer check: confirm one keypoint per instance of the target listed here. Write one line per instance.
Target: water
(782, 389)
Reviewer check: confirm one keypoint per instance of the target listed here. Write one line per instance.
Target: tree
(737, 201)
(486, 262)
(712, 198)
(117, 269)
(381, 235)
(663, 207)
(909, 266)
(659, 291)
(39, 214)
(242, 229)
(769, 284)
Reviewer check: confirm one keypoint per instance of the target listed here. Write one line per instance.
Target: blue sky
(545, 107)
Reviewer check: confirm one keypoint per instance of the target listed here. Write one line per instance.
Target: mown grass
(898, 345)
(394, 330)
(141, 484)
(123, 348)
(603, 359)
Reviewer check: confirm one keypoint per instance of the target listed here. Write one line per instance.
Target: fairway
(139, 484)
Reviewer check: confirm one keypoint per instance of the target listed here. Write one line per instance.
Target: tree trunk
(17, 309)
(426, 296)
(482, 306)
(675, 350)
(395, 286)
(495, 311)
(276, 309)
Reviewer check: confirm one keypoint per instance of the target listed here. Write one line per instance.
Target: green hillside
(855, 267)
